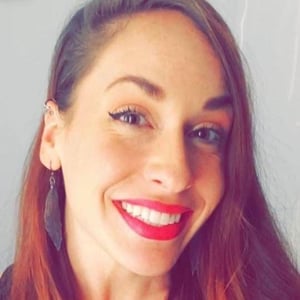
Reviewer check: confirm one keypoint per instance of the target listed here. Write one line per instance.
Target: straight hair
(237, 254)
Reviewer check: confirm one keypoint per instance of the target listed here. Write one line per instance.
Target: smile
(150, 216)
(153, 220)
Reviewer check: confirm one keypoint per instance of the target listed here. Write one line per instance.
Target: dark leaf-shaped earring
(52, 217)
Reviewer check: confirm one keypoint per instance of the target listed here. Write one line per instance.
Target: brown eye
(207, 135)
(130, 117)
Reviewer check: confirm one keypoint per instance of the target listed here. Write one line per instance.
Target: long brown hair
(238, 254)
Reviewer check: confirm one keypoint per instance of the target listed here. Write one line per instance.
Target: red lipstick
(154, 231)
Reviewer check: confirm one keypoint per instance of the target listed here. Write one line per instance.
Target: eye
(208, 134)
(129, 116)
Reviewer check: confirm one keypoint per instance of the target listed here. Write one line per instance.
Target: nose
(168, 167)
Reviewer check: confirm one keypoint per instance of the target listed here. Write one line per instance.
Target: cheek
(210, 182)
(92, 162)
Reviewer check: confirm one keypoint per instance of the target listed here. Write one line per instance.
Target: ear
(49, 155)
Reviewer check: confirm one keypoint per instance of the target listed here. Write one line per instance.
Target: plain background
(268, 33)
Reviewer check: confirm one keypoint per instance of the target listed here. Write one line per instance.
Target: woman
(142, 183)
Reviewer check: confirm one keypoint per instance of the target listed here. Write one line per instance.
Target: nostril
(157, 181)
(172, 183)
(174, 175)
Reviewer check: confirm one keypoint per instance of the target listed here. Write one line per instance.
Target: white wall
(268, 33)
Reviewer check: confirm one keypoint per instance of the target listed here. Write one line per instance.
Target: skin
(104, 159)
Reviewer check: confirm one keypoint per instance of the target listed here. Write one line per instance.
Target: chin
(151, 264)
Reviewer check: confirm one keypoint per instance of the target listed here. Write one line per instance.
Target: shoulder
(5, 283)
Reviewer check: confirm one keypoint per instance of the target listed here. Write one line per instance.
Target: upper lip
(157, 205)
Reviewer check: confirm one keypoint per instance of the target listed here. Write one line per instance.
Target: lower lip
(163, 233)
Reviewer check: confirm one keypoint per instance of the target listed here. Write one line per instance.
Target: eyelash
(208, 134)
(136, 118)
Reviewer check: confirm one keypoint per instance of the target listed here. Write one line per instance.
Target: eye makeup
(129, 115)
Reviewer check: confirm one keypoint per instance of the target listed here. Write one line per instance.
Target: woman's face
(142, 154)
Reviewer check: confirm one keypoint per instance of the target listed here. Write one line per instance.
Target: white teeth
(129, 208)
(136, 210)
(172, 219)
(150, 216)
(154, 217)
(164, 219)
(145, 213)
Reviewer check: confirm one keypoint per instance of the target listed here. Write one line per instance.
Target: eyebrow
(219, 102)
(150, 88)
(155, 91)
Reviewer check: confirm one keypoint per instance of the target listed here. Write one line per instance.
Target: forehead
(166, 47)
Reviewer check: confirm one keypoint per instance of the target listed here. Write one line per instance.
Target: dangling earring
(52, 217)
